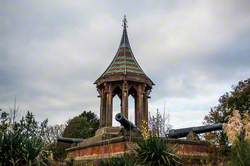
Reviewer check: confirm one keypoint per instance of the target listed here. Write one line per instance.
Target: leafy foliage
(4, 121)
(237, 99)
(82, 126)
(238, 132)
(155, 152)
(21, 143)
(240, 152)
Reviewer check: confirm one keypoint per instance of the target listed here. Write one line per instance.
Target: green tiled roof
(124, 61)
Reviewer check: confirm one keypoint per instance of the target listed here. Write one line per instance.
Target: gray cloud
(52, 52)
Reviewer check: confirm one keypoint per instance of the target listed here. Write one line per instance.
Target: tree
(50, 137)
(82, 126)
(4, 121)
(53, 132)
(8, 118)
(237, 99)
(159, 124)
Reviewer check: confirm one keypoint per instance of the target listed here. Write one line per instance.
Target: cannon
(129, 126)
(69, 140)
(183, 132)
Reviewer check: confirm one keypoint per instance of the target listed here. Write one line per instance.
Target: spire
(124, 62)
(124, 41)
(124, 22)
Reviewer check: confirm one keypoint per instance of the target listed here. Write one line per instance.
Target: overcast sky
(51, 52)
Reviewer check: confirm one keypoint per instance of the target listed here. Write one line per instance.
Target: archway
(131, 104)
(116, 109)
(116, 97)
(131, 109)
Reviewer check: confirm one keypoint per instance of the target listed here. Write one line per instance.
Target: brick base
(118, 146)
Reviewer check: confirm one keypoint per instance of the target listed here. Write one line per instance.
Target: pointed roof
(124, 62)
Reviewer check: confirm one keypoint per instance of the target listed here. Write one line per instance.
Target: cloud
(52, 52)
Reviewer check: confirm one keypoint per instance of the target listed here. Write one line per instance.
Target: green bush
(21, 143)
(155, 152)
(240, 152)
(81, 126)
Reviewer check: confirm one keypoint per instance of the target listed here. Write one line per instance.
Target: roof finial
(124, 22)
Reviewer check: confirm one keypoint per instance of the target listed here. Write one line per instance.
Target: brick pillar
(109, 106)
(102, 109)
(139, 106)
(145, 114)
(136, 106)
(124, 101)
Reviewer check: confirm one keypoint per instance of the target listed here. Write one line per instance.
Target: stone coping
(135, 139)
(177, 141)
(102, 142)
(183, 141)
(99, 157)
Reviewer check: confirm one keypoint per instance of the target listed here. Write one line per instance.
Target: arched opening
(131, 104)
(131, 109)
(116, 109)
(116, 105)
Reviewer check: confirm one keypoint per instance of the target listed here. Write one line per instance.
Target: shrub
(240, 152)
(21, 143)
(155, 152)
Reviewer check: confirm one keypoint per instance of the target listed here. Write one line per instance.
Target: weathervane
(124, 22)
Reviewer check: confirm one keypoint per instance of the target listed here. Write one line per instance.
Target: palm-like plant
(18, 149)
(21, 143)
(240, 152)
(10, 148)
(155, 152)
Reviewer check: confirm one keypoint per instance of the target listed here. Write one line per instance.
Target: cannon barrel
(183, 132)
(125, 122)
(69, 140)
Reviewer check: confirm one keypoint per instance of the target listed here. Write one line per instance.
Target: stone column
(124, 102)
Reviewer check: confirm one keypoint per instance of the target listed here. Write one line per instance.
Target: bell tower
(124, 77)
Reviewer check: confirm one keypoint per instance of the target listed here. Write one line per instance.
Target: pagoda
(124, 77)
